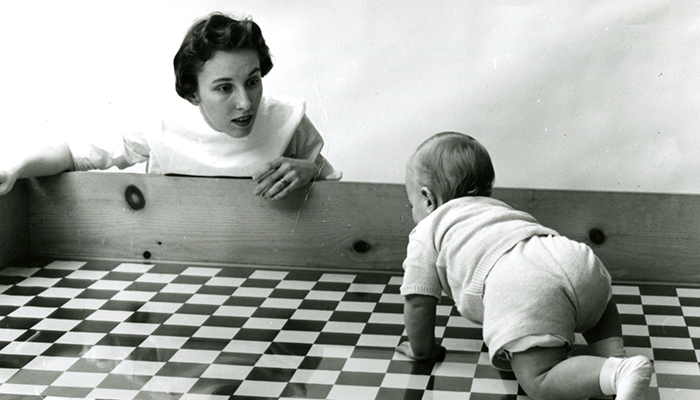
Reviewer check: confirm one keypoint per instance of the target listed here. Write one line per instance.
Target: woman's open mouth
(243, 122)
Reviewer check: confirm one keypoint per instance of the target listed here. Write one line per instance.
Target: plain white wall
(591, 95)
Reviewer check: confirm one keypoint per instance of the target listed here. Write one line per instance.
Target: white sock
(628, 378)
(610, 347)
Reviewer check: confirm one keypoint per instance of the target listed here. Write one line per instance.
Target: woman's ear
(431, 201)
(194, 99)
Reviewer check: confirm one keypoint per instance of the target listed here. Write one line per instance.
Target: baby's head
(446, 166)
(216, 32)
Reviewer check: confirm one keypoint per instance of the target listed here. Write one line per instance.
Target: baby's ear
(431, 201)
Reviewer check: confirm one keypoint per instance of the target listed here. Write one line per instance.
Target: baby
(530, 288)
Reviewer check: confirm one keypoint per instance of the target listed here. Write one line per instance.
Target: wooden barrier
(342, 225)
(217, 220)
(14, 226)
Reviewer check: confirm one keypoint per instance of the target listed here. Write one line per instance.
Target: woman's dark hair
(216, 32)
(454, 165)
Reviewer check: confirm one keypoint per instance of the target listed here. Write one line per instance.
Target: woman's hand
(7, 180)
(282, 175)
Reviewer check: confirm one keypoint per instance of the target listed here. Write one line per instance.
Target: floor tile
(129, 331)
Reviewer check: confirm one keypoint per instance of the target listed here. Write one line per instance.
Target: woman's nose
(241, 100)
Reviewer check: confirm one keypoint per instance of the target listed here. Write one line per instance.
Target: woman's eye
(254, 82)
(223, 88)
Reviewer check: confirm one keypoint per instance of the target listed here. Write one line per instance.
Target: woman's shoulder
(280, 113)
(283, 102)
(179, 117)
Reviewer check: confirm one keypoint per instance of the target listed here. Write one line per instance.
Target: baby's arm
(419, 317)
(50, 159)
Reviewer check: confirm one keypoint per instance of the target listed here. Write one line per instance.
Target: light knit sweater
(454, 248)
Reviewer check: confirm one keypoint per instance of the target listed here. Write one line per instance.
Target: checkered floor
(109, 330)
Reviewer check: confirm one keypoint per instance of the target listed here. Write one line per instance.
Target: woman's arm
(50, 159)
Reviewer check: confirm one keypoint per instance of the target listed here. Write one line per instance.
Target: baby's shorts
(540, 293)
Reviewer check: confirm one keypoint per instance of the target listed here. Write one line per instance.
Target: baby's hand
(280, 176)
(405, 349)
(437, 356)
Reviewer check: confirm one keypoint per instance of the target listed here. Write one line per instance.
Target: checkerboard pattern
(124, 331)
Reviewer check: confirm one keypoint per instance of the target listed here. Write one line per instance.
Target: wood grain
(345, 225)
(218, 220)
(14, 226)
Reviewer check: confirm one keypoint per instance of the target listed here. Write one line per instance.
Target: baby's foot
(632, 378)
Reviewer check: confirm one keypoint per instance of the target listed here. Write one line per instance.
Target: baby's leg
(605, 338)
(547, 373)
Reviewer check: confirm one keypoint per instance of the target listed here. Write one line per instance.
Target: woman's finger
(271, 185)
(287, 185)
(267, 169)
(268, 181)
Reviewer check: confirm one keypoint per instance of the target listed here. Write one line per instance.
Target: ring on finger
(282, 181)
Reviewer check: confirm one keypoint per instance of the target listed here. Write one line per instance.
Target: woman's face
(229, 89)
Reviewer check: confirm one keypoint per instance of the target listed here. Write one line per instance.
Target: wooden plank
(218, 221)
(14, 225)
(648, 237)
